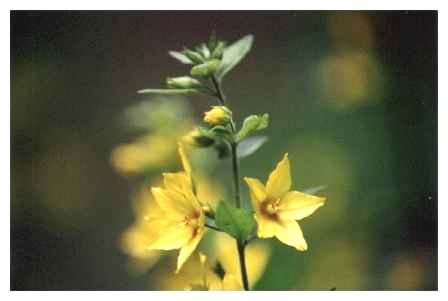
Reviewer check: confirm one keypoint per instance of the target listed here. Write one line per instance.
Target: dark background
(352, 98)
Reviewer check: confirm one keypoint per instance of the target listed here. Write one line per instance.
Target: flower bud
(196, 138)
(218, 115)
(182, 82)
(219, 50)
(206, 69)
(193, 56)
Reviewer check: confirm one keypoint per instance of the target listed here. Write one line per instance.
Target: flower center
(192, 220)
(269, 208)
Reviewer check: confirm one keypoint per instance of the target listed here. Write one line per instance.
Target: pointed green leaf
(168, 91)
(316, 189)
(233, 54)
(250, 145)
(236, 222)
(180, 57)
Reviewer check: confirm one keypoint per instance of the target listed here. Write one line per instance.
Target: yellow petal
(297, 205)
(231, 283)
(257, 191)
(183, 157)
(289, 233)
(173, 204)
(266, 227)
(279, 181)
(181, 183)
(208, 192)
(188, 248)
(257, 256)
(171, 236)
(178, 181)
(213, 282)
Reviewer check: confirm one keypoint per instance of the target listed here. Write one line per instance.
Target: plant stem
(236, 175)
(219, 92)
(213, 227)
(236, 181)
(241, 246)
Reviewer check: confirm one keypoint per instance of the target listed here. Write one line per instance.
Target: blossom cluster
(179, 215)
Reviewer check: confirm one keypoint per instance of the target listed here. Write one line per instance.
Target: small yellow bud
(218, 115)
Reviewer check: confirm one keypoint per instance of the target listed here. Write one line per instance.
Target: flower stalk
(236, 182)
(182, 213)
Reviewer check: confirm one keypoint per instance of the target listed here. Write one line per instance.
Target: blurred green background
(352, 98)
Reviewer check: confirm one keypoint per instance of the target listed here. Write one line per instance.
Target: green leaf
(250, 145)
(168, 91)
(251, 124)
(233, 54)
(237, 222)
(180, 57)
(316, 189)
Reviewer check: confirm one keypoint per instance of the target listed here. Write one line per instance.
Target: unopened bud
(218, 115)
(182, 82)
(219, 50)
(196, 138)
(206, 69)
(193, 56)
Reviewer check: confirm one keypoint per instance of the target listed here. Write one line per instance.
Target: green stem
(219, 92)
(213, 227)
(236, 181)
(236, 175)
(241, 246)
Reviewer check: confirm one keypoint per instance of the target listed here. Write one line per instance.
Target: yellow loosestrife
(180, 224)
(277, 209)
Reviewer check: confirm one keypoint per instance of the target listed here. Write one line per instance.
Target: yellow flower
(147, 152)
(217, 115)
(196, 138)
(180, 224)
(198, 275)
(135, 239)
(257, 255)
(277, 209)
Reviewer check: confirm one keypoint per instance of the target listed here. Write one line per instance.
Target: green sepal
(251, 124)
(237, 222)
